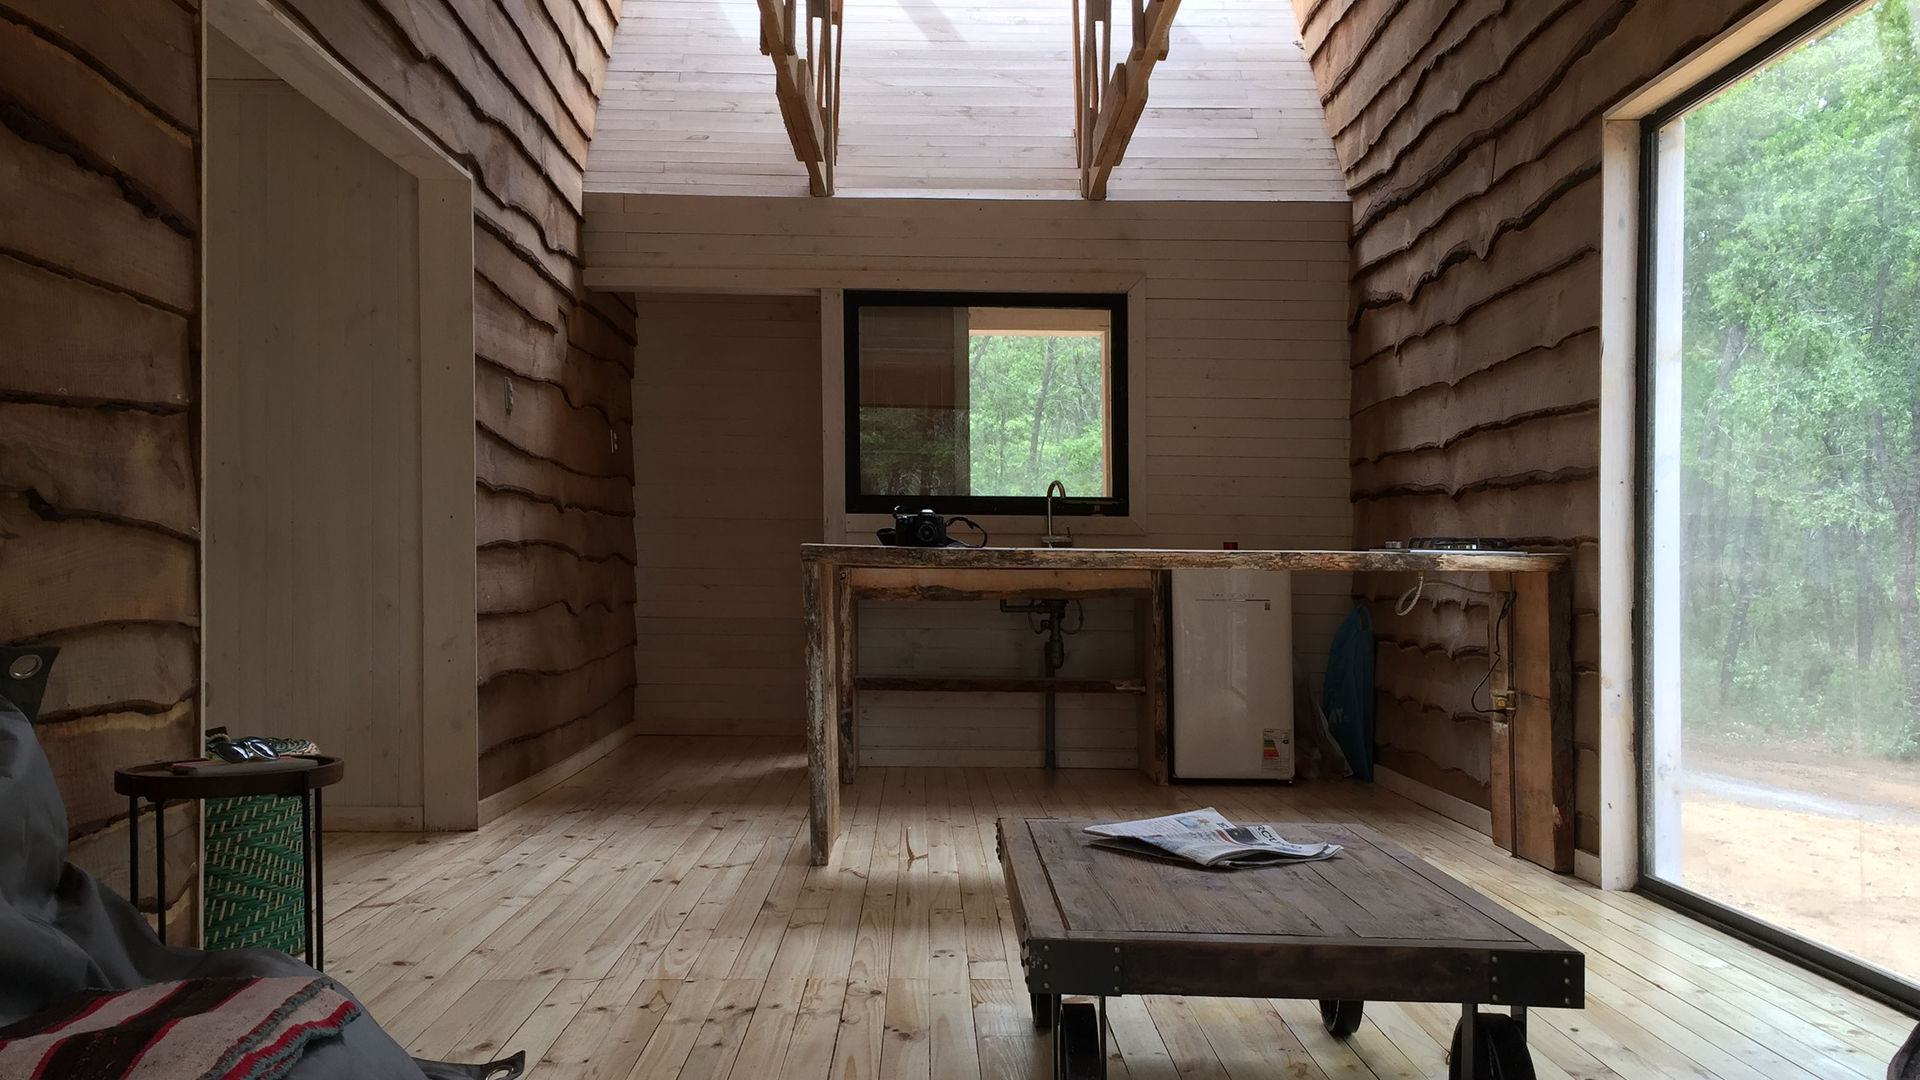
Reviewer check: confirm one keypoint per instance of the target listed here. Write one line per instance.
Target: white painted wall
(313, 460)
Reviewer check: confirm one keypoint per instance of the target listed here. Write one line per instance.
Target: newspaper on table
(1205, 838)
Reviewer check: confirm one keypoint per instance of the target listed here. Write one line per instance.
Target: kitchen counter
(1533, 742)
(1038, 558)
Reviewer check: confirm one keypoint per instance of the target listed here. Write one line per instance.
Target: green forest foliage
(1801, 396)
(1036, 408)
(1036, 414)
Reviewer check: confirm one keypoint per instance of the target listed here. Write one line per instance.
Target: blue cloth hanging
(1348, 695)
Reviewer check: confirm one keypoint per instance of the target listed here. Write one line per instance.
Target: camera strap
(976, 528)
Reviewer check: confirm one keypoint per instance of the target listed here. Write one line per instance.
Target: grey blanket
(62, 931)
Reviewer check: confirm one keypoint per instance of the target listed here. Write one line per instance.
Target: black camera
(924, 529)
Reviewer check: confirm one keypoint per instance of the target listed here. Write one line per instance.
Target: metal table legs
(313, 902)
(318, 941)
(133, 859)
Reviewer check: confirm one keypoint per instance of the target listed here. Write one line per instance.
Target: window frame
(1856, 974)
(1116, 505)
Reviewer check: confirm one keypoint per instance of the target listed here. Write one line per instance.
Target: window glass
(1783, 554)
(981, 405)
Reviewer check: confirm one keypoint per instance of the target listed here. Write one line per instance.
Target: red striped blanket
(201, 1029)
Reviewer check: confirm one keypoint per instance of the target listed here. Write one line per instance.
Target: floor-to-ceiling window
(1781, 524)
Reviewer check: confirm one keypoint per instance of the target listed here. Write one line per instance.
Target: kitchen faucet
(1053, 539)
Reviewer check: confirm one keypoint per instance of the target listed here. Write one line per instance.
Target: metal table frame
(158, 784)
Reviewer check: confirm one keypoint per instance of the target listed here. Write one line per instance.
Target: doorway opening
(337, 437)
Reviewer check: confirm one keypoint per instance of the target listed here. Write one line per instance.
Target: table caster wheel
(1342, 1018)
(1500, 1050)
(1080, 1052)
(1043, 1006)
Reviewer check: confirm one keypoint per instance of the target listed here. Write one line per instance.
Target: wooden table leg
(817, 599)
(846, 665)
(1500, 773)
(1154, 613)
(1542, 729)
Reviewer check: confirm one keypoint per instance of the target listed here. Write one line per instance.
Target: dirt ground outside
(1826, 845)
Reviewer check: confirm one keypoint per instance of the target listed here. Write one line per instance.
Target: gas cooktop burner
(1459, 543)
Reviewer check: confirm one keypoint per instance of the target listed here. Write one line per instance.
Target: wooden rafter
(1107, 106)
(806, 80)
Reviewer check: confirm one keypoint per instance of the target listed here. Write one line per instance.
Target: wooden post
(1500, 772)
(1153, 668)
(1542, 731)
(1500, 780)
(846, 669)
(817, 580)
(1083, 65)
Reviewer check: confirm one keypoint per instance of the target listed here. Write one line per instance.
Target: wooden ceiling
(961, 99)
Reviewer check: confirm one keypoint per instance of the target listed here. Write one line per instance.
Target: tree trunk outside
(1865, 591)
(1906, 579)
(1039, 410)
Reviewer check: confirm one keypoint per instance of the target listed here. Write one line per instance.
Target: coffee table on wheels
(1373, 923)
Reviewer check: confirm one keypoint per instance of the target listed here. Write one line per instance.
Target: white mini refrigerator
(1232, 675)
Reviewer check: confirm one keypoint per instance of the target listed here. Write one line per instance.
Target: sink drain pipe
(1052, 622)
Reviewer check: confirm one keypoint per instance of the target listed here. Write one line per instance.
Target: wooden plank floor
(656, 917)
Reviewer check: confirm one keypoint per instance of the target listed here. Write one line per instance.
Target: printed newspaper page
(1206, 838)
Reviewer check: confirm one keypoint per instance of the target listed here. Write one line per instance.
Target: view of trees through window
(1037, 413)
(1790, 538)
(972, 401)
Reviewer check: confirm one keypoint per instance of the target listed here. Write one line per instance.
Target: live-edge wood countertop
(1040, 558)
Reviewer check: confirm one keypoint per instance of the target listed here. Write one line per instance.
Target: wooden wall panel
(509, 89)
(1469, 133)
(99, 518)
(1244, 421)
(311, 383)
(728, 481)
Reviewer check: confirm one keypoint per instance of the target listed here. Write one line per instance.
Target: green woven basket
(254, 870)
(254, 874)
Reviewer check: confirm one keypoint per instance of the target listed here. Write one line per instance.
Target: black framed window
(973, 403)
(1779, 530)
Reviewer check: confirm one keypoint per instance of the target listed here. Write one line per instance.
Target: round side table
(300, 775)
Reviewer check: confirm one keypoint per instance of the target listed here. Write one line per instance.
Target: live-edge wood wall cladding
(99, 283)
(1470, 135)
(99, 502)
(508, 88)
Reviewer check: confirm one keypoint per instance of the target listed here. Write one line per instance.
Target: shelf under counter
(994, 684)
(1532, 767)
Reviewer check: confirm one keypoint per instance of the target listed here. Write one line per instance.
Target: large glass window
(1781, 598)
(973, 403)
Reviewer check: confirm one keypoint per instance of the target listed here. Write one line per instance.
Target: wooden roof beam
(806, 80)
(1109, 108)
